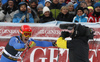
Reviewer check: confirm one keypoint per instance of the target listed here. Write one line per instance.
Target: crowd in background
(42, 11)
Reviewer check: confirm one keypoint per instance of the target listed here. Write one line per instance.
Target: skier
(18, 44)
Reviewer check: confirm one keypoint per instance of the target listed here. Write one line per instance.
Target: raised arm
(42, 43)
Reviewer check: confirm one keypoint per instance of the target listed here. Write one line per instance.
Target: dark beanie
(80, 8)
(86, 9)
(96, 5)
(33, 1)
(22, 3)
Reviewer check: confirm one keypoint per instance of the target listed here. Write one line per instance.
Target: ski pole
(24, 54)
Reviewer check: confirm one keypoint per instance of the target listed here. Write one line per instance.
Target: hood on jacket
(79, 31)
(22, 3)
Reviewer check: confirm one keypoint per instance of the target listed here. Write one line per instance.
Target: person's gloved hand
(5, 10)
(9, 10)
(27, 17)
(31, 44)
(22, 19)
(54, 43)
(65, 34)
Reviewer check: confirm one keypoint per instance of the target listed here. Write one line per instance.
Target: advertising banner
(48, 54)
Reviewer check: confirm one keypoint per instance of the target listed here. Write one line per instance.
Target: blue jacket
(63, 4)
(19, 44)
(75, 5)
(4, 1)
(41, 2)
(17, 17)
(82, 18)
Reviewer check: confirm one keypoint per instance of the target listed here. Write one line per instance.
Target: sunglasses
(27, 34)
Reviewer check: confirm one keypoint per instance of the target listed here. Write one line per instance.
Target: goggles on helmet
(27, 34)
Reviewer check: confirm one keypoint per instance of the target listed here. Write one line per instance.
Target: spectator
(47, 15)
(23, 16)
(55, 8)
(83, 4)
(89, 2)
(40, 10)
(95, 17)
(33, 5)
(80, 3)
(64, 15)
(8, 11)
(91, 10)
(70, 6)
(62, 2)
(47, 3)
(80, 16)
(86, 11)
(0, 5)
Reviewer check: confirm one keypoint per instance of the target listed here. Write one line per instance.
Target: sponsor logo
(3, 31)
(63, 53)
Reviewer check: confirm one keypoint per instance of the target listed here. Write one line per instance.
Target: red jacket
(93, 19)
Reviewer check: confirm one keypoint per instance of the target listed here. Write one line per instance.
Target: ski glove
(27, 16)
(54, 43)
(23, 17)
(31, 44)
(5, 10)
(65, 34)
